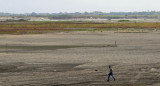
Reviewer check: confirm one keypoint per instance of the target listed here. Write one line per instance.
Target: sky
(56, 6)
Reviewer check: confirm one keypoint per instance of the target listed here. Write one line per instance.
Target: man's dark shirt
(110, 70)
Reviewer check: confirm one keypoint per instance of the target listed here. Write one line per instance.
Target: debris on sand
(96, 70)
(153, 69)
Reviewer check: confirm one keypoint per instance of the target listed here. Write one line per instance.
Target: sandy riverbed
(80, 59)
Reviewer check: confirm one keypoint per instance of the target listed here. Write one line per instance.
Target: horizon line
(83, 12)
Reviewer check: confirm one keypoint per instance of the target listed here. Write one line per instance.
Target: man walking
(110, 73)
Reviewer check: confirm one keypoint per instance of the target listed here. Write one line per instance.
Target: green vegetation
(123, 21)
(44, 26)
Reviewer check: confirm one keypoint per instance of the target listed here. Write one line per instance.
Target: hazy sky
(55, 6)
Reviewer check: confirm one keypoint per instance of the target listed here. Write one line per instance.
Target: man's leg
(113, 77)
(108, 76)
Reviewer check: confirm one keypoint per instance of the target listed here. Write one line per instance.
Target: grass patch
(123, 20)
(45, 26)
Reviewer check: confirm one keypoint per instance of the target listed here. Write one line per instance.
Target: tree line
(95, 14)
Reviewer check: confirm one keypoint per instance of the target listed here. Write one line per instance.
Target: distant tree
(86, 13)
(33, 14)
